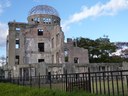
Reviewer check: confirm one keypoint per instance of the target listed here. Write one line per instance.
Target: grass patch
(106, 87)
(7, 89)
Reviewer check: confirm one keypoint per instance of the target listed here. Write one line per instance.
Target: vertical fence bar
(39, 80)
(49, 78)
(10, 79)
(66, 81)
(127, 82)
(93, 84)
(62, 81)
(84, 80)
(122, 83)
(73, 81)
(17, 80)
(70, 83)
(30, 76)
(96, 83)
(30, 81)
(108, 84)
(100, 84)
(117, 85)
(23, 80)
(89, 79)
(113, 92)
(86, 88)
(104, 82)
(13, 79)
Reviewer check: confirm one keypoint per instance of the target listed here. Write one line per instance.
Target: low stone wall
(43, 68)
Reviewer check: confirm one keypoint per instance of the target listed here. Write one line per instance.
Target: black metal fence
(114, 83)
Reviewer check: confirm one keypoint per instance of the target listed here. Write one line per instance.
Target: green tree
(100, 50)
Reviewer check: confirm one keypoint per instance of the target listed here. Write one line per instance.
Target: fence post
(23, 80)
(89, 79)
(39, 80)
(49, 78)
(18, 80)
(66, 80)
(13, 79)
(30, 76)
(122, 82)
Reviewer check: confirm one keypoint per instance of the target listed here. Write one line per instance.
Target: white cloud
(4, 4)
(3, 33)
(110, 8)
(3, 27)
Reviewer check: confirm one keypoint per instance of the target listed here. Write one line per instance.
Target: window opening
(41, 47)
(47, 20)
(40, 60)
(57, 57)
(66, 55)
(54, 21)
(17, 29)
(17, 44)
(76, 60)
(40, 31)
(44, 20)
(37, 20)
(17, 59)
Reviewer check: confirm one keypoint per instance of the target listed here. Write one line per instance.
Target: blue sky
(87, 18)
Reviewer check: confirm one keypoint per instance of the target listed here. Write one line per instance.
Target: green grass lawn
(15, 90)
(100, 87)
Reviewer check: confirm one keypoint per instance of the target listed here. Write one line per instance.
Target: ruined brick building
(40, 41)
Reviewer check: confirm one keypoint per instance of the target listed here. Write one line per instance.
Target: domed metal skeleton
(43, 9)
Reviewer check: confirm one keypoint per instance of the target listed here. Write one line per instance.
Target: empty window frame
(57, 57)
(40, 60)
(41, 47)
(76, 60)
(48, 20)
(40, 32)
(37, 19)
(17, 45)
(17, 59)
(17, 29)
(54, 20)
(66, 55)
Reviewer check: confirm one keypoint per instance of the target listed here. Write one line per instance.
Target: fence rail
(107, 82)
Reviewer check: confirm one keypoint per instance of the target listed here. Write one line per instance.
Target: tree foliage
(100, 50)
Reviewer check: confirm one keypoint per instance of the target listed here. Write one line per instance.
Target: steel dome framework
(43, 9)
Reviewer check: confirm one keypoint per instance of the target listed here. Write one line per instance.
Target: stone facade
(40, 42)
